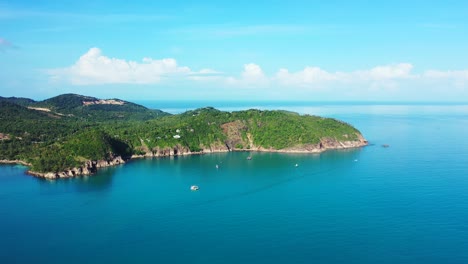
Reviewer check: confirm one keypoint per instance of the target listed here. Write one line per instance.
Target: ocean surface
(407, 203)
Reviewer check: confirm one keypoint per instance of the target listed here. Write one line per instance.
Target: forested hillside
(66, 131)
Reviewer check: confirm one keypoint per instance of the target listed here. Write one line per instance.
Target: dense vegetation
(17, 100)
(65, 132)
(73, 105)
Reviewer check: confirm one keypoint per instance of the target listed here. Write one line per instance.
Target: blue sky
(242, 50)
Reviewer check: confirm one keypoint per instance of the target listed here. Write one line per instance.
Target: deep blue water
(404, 204)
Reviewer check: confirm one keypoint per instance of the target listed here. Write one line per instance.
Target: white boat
(297, 165)
(217, 166)
(194, 188)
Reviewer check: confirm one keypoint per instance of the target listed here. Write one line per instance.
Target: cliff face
(233, 132)
(180, 150)
(330, 143)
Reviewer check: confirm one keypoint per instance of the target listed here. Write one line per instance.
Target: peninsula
(70, 135)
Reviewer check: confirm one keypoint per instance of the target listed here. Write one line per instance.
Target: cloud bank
(94, 68)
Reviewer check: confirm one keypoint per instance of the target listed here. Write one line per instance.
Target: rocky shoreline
(91, 166)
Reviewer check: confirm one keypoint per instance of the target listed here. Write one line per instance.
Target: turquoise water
(404, 204)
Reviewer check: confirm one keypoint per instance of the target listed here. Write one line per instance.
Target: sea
(404, 203)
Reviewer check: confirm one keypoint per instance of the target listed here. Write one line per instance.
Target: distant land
(71, 135)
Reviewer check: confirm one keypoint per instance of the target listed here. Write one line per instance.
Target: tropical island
(70, 135)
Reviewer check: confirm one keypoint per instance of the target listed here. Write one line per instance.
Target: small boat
(217, 166)
(385, 145)
(194, 188)
(249, 157)
(297, 165)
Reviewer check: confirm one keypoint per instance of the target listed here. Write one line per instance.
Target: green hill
(17, 100)
(13, 111)
(76, 149)
(86, 107)
(64, 102)
(252, 129)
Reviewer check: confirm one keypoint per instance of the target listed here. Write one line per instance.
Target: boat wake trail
(298, 174)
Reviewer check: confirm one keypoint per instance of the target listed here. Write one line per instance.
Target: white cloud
(458, 78)
(205, 75)
(315, 75)
(252, 72)
(310, 75)
(387, 72)
(462, 74)
(251, 76)
(95, 68)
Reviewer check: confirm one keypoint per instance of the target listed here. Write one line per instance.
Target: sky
(236, 50)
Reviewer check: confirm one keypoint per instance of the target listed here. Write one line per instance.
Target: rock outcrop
(4, 136)
(104, 102)
(90, 167)
(233, 131)
(180, 150)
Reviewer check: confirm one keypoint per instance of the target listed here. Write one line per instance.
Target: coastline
(20, 162)
(90, 167)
